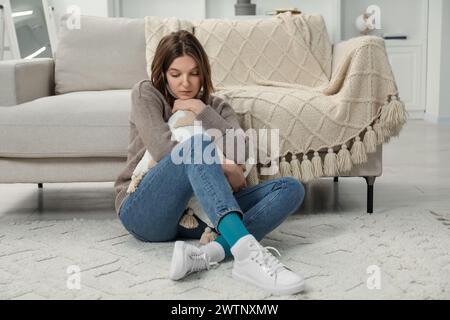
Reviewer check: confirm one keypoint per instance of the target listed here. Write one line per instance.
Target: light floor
(401, 251)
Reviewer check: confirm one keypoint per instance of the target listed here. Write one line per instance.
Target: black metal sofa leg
(370, 182)
(40, 185)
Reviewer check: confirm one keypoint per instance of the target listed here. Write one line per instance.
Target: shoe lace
(266, 260)
(201, 262)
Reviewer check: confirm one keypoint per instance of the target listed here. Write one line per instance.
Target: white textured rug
(391, 255)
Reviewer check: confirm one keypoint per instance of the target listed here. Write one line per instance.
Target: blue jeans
(152, 213)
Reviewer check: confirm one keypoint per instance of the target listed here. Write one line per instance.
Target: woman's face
(183, 77)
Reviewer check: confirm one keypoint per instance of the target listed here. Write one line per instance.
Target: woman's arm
(219, 115)
(147, 115)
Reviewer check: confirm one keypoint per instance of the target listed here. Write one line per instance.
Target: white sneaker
(254, 263)
(187, 259)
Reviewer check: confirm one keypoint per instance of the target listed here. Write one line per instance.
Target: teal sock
(226, 247)
(231, 229)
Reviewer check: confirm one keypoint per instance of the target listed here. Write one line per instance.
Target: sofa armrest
(26, 80)
(341, 49)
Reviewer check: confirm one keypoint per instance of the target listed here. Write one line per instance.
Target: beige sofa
(66, 119)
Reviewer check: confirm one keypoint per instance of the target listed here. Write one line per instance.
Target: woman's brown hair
(172, 46)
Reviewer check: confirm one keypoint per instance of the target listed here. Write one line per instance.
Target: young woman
(181, 80)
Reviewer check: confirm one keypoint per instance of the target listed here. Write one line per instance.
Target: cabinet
(408, 58)
(408, 61)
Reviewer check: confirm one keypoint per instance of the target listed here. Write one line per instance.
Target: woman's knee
(294, 192)
(194, 150)
(146, 231)
(202, 148)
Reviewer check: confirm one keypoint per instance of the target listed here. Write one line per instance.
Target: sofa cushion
(103, 54)
(243, 52)
(79, 124)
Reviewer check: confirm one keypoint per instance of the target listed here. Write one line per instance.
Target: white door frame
(51, 27)
(2, 33)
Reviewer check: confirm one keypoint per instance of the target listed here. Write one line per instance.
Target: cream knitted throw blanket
(276, 73)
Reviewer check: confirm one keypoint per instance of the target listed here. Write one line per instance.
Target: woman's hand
(194, 105)
(234, 174)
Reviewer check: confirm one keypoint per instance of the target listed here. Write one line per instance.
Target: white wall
(87, 7)
(434, 60)
(185, 9)
(444, 108)
(438, 76)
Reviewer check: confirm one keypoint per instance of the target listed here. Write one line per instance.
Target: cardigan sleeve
(219, 114)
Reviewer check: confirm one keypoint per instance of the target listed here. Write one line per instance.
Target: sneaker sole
(297, 288)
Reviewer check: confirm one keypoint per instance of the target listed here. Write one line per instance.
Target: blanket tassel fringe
(208, 236)
(295, 168)
(285, 168)
(392, 118)
(307, 169)
(330, 166)
(134, 183)
(188, 220)
(393, 115)
(344, 159)
(317, 164)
